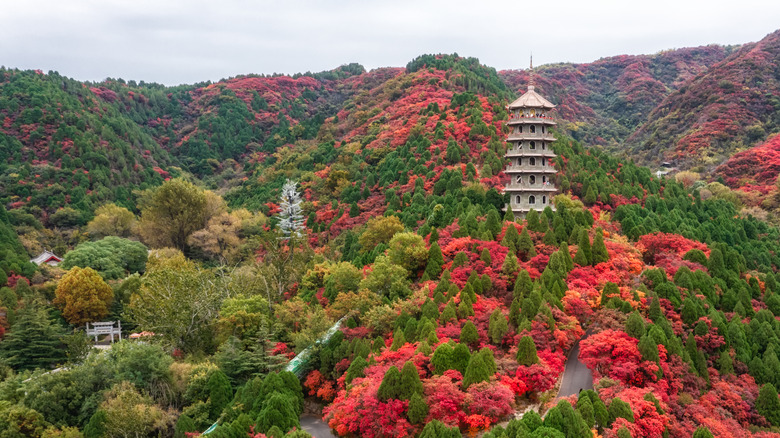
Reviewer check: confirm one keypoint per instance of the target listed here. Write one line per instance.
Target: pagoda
(530, 157)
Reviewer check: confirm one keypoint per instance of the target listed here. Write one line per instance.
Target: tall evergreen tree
(33, 341)
(526, 351)
(526, 246)
(599, 249)
(390, 388)
(584, 256)
(768, 405)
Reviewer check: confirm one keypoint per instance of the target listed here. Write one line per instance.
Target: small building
(47, 257)
(531, 167)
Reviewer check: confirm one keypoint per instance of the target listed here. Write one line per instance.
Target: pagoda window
(533, 145)
(533, 112)
(544, 161)
(517, 199)
(519, 179)
(533, 129)
(544, 180)
(544, 146)
(520, 161)
(542, 129)
(519, 145)
(532, 199)
(521, 129)
(532, 161)
(532, 179)
(544, 199)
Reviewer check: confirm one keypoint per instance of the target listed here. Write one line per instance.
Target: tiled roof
(531, 99)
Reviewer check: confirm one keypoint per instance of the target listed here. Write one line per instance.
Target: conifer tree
(590, 196)
(509, 216)
(460, 357)
(476, 371)
(523, 284)
(410, 381)
(497, 327)
(493, 222)
(566, 256)
(584, 256)
(485, 257)
(468, 334)
(430, 310)
(220, 393)
(511, 238)
(768, 405)
(33, 340)
(725, 364)
(398, 340)
(442, 359)
(585, 408)
(526, 351)
(511, 265)
(532, 219)
(465, 308)
(435, 261)
(418, 409)
(526, 246)
(620, 409)
(599, 249)
(390, 388)
(356, 369)
(702, 432)
(635, 325)
(448, 314)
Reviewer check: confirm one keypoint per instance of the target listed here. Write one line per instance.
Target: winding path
(316, 427)
(576, 376)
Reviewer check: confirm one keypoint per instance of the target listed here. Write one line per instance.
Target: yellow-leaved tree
(83, 296)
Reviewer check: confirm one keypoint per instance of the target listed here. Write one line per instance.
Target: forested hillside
(235, 223)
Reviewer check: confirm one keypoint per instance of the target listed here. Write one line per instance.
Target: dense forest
(230, 225)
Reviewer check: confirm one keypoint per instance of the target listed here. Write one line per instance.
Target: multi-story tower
(530, 166)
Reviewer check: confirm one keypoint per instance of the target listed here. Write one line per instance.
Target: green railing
(299, 362)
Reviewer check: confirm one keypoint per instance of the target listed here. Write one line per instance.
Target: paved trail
(576, 375)
(316, 427)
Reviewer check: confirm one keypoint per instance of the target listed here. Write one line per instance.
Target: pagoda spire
(531, 161)
(531, 73)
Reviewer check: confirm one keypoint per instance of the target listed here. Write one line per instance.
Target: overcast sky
(187, 41)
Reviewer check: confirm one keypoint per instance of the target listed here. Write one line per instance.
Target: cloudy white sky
(187, 41)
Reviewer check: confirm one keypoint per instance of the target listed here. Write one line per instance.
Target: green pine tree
(526, 351)
(410, 381)
(468, 334)
(390, 388)
(599, 249)
(768, 405)
(33, 340)
(418, 409)
(584, 256)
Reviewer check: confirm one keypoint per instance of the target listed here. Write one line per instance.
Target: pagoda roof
(45, 257)
(531, 99)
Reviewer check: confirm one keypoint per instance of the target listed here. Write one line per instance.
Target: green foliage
(437, 429)
(33, 341)
(702, 432)
(220, 393)
(410, 382)
(584, 255)
(599, 249)
(498, 327)
(468, 334)
(476, 371)
(620, 409)
(418, 409)
(171, 212)
(635, 325)
(526, 351)
(768, 405)
(391, 385)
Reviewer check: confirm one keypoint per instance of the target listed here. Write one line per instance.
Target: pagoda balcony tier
(530, 153)
(530, 188)
(530, 169)
(529, 136)
(531, 120)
